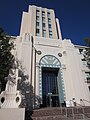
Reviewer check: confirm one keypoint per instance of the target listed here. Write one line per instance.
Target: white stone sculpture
(11, 98)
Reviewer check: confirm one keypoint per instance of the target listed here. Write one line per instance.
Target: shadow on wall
(26, 91)
(29, 101)
(27, 95)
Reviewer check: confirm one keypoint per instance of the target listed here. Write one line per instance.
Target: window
(43, 13)
(43, 25)
(50, 34)
(80, 51)
(49, 20)
(49, 25)
(37, 32)
(37, 24)
(37, 18)
(37, 15)
(48, 14)
(37, 12)
(88, 73)
(44, 33)
(84, 62)
(87, 76)
(43, 19)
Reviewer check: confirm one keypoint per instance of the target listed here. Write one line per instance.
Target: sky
(73, 15)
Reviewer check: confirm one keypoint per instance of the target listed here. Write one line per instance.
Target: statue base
(10, 99)
(12, 114)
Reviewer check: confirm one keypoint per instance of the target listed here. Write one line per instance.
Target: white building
(56, 68)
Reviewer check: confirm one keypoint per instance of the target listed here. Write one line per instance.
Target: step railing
(76, 106)
(73, 113)
(70, 112)
(86, 101)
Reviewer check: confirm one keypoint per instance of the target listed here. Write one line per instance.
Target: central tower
(41, 22)
(40, 31)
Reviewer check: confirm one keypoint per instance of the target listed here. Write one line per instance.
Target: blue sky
(74, 16)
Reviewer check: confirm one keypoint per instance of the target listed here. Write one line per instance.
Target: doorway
(50, 96)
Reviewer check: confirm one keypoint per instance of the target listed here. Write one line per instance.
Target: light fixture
(60, 54)
(39, 52)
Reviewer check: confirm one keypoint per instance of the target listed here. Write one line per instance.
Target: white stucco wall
(72, 67)
(75, 86)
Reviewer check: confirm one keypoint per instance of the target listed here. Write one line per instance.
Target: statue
(11, 98)
(12, 77)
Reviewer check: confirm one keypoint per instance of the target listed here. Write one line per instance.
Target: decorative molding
(50, 60)
(63, 66)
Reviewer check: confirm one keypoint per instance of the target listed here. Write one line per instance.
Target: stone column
(37, 78)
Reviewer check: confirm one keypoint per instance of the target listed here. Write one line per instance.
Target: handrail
(86, 100)
(77, 108)
(79, 104)
(76, 103)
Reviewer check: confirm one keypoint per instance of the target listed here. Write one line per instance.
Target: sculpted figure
(12, 77)
(11, 98)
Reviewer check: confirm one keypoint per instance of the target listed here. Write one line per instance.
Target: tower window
(49, 20)
(80, 51)
(48, 14)
(37, 12)
(49, 25)
(37, 24)
(43, 19)
(50, 34)
(87, 76)
(84, 62)
(37, 32)
(37, 18)
(43, 25)
(44, 33)
(43, 13)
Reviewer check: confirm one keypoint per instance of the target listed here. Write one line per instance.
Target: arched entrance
(51, 84)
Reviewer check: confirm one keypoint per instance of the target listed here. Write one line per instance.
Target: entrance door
(50, 95)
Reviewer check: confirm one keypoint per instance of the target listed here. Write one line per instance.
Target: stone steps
(58, 117)
(57, 113)
(46, 112)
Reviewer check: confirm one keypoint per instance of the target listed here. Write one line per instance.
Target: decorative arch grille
(50, 60)
(53, 62)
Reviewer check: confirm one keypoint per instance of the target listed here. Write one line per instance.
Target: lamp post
(39, 53)
(31, 58)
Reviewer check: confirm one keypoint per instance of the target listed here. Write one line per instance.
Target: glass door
(50, 95)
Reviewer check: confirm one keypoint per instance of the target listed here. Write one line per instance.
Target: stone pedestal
(12, 114)
(10, 99)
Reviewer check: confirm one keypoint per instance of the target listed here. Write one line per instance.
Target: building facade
(56, 68)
